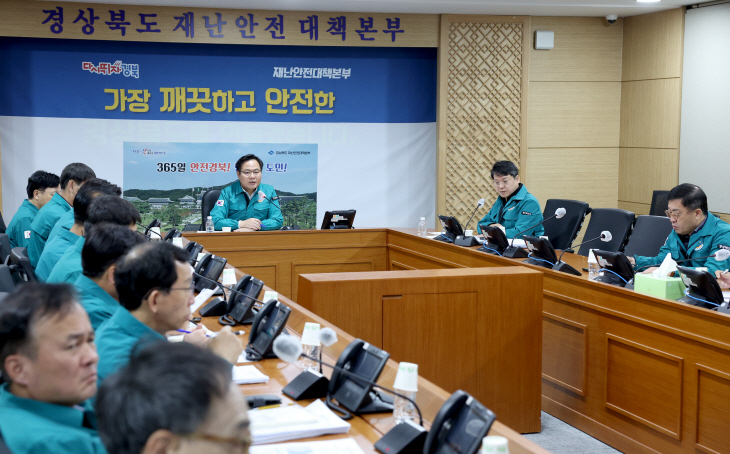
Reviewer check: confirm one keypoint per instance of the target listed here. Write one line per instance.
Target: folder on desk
(293, 422)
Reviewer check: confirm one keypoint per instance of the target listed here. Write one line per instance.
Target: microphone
(147, 230)
(480, 204)
(720, 255)
(565, 268)
(515, 252)
(289, 349)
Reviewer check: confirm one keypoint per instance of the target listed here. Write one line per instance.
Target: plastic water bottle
(406, 383)
(209, 226)
(402, 408)
(593, 267)
(422, 227)
(315, 351)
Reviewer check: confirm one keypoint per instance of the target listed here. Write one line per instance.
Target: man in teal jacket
(248, 205)
(515, 208)
(48, 360)
(73, 177)
(41, 188)
(695, 232)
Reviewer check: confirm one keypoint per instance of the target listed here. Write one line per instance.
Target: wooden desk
(640, 373)
(366, 429)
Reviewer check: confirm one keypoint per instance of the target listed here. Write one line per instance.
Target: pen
(187, 332)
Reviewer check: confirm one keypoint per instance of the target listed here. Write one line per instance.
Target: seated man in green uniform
(57, 246)
(72, 178)
(102, 248)
(515, 209)
(154, 282)
(248, 205)
(173, 397)
(48, 360)
(695, 232)
(41, 187)
(107, 208)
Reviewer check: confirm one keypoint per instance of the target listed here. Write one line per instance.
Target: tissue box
(671, 288)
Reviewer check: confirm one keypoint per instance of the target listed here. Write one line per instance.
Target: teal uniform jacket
(34, 427)
(233, 205)
(714, 235)
(18, 230)
(66, 221)
(52, 253)
(68, 268)
(42, 225)
(118, 338)
(520, 212)
(98, 303)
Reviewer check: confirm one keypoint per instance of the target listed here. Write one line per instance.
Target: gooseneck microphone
(289, 349)
(565, 268)
(480, 204)
(605, 237)
(148, 230)
(720, 255)
(515, 252)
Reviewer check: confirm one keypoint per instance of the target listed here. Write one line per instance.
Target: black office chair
(648, 236)
(659, 203)
(562, 232)
(207, 203)
(4, 247)
(618, 222)
(7, 284)
(3, 228)
(20, 267)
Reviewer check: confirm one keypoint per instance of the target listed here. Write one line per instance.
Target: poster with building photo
(167, 180)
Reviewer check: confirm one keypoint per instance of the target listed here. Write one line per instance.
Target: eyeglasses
(190, 289)
(249, 172)
(674, 214)
(235, 443)
(502, 182)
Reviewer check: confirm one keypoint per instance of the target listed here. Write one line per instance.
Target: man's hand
(650, 270)
(632, 261)
(250, 223)
(244, 230)
(723, 278)
(496, 225)
(196, 336)
(226, 345)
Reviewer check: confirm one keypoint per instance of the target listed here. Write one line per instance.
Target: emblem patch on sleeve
(26, 234)
(220, 202)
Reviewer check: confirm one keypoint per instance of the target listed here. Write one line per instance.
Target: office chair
(4, 247)
(7, 284)
(562, 232)
(659, 203)
(3, 228)
(648, 236)
(20, 267)
(207, 204)
(618, 222)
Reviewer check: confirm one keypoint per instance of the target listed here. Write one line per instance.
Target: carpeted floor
(561, 438)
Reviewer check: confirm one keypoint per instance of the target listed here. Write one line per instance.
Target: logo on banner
(271, 152)
(147, 151)
(107, 69)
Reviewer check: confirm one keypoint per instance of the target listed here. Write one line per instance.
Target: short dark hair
(146, 267)
(23, 308)
(691, 195)
(41, 180)
(105, 245)
(111, 209)
(169, 386)
(92, 189)
(78, 172)
(247, 158)
(504, 168)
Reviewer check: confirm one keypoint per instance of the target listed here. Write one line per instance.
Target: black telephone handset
(193, 249)
(210, 266)
(173, 233)
(459, 427)
(153, 223)
(268, 324)
(240, 307)
(344, 362)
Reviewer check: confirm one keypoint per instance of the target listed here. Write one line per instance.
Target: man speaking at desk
(515, 208)
(248, 205)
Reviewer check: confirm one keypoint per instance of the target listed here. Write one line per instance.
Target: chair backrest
(3, 228)
(659, 203)
(562, 232)
(207, 203)
(7, 284)
(4, 247)
(648, 236)
(618, 222)
(20, 267)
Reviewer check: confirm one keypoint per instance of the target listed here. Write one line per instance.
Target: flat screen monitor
(451, 227)
(702, 288)
(619, 269)
(364, 360)
(541, 250)
(342, 219)
(496, 239)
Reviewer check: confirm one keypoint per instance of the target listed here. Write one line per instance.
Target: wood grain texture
(574, 115)
(565, 353)
(724, 216)
(644, 170)
(713, 409)
(653, 45)
(650, 113)
(586, 49)
(636, 208)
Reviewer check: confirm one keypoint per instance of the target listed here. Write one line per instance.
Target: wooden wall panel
(713, 410)
(566, 114)
(564, 353)
(267, 273)
(298, 268)
(650, 113)
(653, 45)
(586, 49)
(636, 208)
(644, 170)
(724, 216)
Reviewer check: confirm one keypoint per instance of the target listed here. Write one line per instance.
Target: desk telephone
(459, 426)
(268, 324)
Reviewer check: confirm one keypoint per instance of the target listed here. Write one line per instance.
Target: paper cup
(495, 444)
(225, 229)
(407, 377)
(310, 336)
(229, 276)
(155, 235)
(177, 242)
(469, 233)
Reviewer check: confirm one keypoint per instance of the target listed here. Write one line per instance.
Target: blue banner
(207, 82)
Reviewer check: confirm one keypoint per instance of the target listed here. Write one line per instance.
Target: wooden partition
(477, 329)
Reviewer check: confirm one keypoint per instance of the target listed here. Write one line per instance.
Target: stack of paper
(292, 422)
(200, 299)
(344, 446)
(244, 375)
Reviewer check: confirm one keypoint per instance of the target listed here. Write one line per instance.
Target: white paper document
(245, 375)
(293, 422)
(201, 298)
(345, 446)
